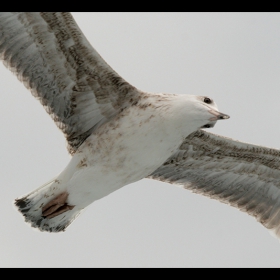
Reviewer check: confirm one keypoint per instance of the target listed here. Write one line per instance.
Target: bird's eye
(207, 100)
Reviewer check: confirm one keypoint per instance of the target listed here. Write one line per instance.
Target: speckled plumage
(118, 134)
(242, 175)
(53, 59)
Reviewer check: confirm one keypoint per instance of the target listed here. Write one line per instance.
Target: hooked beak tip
(218, 115)
(224, 117)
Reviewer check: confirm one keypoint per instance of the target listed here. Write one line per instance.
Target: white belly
(121, 152)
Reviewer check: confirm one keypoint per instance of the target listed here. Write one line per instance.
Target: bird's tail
(46, 208)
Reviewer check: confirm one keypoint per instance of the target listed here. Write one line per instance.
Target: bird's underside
(83, 95)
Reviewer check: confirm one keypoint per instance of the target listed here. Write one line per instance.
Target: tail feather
(31, 206)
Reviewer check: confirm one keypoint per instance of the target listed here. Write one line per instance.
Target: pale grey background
(231, 57)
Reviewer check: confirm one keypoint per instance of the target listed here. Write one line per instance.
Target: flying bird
(118, 134)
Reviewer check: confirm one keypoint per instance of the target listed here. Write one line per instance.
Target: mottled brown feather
(51, 56)
(243, 175)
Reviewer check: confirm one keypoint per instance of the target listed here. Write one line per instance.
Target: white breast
(124, 150)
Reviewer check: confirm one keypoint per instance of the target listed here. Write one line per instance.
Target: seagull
(118, 134)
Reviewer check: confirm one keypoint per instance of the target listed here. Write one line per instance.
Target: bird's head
(202, 111)
(209, 108)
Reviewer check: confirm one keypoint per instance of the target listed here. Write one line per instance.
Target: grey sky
(233, 58)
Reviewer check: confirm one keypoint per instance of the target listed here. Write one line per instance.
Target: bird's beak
(217, 115)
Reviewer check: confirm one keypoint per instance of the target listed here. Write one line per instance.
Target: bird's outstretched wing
(243, 175)
(51, 56)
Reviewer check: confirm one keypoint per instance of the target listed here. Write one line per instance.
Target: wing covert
(242, 175)
(51, 56)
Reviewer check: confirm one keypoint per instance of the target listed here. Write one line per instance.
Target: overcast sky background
(233, 58)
